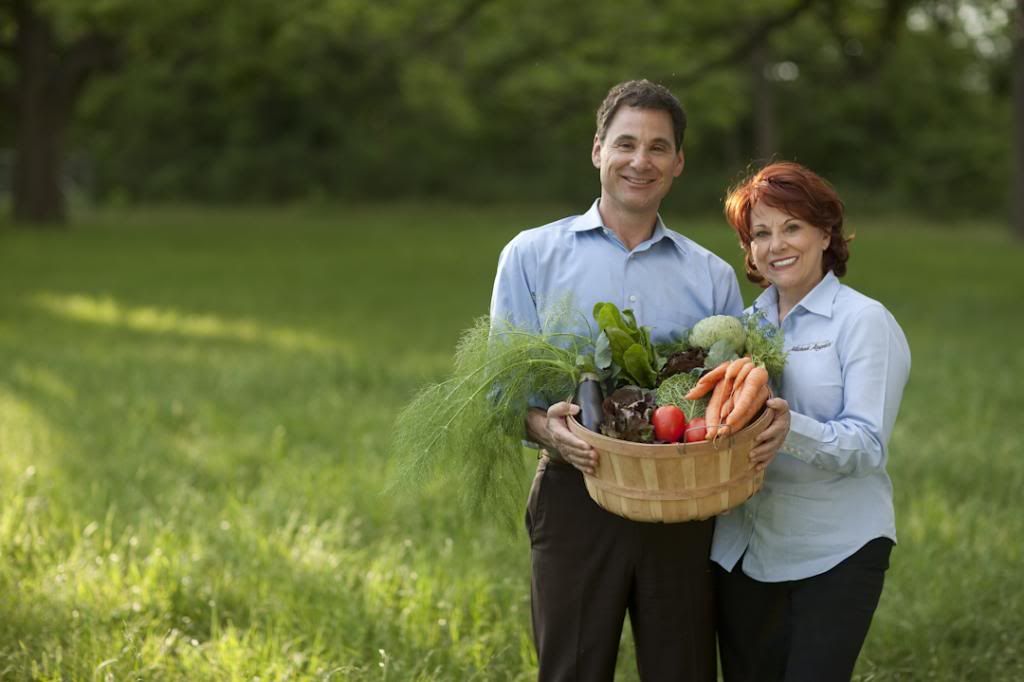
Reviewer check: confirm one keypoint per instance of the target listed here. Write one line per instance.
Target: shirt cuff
(805, 437)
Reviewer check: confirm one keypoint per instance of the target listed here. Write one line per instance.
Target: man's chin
(640, 202)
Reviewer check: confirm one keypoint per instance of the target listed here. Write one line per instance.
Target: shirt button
(632, 299)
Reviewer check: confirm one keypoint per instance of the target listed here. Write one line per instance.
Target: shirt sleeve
(512, 298)
(513, 302)
(875, 362)
(731, 301)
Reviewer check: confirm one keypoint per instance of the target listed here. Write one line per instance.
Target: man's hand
(770, 440)
(551, 431)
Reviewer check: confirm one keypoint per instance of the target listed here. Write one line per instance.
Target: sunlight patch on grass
(25, 435)
(151, 319)
(44, 381)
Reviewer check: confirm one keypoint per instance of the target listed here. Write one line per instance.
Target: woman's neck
(789, 298)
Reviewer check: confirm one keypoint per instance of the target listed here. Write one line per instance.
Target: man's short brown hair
(642, 94)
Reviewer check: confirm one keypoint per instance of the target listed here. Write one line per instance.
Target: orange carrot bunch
(738, 388)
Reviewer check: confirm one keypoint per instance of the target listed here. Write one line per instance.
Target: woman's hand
(568, 447)
(770, 440)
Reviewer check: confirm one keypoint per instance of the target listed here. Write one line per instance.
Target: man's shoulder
(543, 235)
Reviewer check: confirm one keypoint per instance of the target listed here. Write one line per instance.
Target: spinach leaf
(637, 362)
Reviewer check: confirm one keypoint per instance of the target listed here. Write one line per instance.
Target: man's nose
(641, 159)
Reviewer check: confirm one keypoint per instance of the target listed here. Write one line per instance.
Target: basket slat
(673, 482)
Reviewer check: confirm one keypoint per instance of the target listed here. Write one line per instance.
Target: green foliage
(467, 431)
(319, 98)
(764, 344)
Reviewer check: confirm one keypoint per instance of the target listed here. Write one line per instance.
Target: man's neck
(631, 228)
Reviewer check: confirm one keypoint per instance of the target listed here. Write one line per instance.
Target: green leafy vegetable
(633, 356)
(467, 430)
(678, 342)
(719, 352)
(627, 414)
(764, 343)
(637, 362)
(681, 361)
(717, 328)
(673, 389)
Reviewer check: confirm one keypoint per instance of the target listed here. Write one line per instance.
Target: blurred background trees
(906, 104)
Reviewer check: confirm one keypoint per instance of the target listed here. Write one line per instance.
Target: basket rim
(625, 448)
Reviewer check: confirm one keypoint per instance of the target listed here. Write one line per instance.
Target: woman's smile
(787, 251)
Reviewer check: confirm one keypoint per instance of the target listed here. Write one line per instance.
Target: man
(591, 567)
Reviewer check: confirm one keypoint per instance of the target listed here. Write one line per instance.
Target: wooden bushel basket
(673, 482)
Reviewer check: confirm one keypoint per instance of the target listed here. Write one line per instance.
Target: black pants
(810, 629)
(591, 567)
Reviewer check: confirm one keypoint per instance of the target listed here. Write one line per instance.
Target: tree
(494, 99)
(1017, 69)
(50, 75)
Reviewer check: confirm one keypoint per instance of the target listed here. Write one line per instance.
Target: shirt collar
(820, 300)
(591, 220)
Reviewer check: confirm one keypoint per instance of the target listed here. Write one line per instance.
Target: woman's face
(787, 251)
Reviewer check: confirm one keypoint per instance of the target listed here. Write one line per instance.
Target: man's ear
(677, 169)
(595, 152)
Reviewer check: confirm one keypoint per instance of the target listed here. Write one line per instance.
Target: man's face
(637, 159)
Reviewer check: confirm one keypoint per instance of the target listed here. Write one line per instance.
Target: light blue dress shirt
(669, 281)
(827, 492)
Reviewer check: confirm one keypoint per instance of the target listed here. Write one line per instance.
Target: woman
(800, 566)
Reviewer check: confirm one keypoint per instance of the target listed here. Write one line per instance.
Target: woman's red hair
(799, 192)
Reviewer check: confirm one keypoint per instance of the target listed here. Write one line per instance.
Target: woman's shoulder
(851, 302)
(862, 317)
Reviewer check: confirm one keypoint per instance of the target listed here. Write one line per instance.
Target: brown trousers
(591, 567)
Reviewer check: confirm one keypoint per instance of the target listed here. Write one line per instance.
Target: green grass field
(195, 410)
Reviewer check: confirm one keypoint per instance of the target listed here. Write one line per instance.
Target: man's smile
(639, 182)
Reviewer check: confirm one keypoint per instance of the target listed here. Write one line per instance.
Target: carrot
(735, 366)
(742, 375)
(757, 377)
(707, 382)
(713, 412)
(726, 408)
(737, 420)
(747, 398)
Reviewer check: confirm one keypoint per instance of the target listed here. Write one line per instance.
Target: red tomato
(697, 430)
(669, 423)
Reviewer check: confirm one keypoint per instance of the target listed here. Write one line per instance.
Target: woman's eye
(792, 227)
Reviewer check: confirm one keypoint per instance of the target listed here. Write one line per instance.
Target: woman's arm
(875, 363)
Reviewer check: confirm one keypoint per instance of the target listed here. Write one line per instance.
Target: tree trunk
(763, 105)
(42, 113)
(1017, 68)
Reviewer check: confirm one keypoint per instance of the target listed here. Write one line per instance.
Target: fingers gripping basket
(673, 482)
